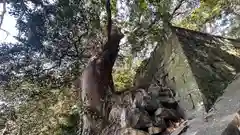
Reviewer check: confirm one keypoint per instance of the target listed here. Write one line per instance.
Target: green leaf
(143, 4)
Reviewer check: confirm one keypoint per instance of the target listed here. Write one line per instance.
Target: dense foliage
(56, 38)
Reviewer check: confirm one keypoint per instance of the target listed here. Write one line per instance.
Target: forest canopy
(55, 39)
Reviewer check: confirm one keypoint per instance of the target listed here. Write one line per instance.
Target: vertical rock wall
(170, 68)
(178, 76)
(197, 66)
(214, 61)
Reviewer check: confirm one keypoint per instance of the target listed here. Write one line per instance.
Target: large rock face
(214, 61)
(224, 117)
(197, 66)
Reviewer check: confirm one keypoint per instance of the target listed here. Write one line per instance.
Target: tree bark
(95, 82)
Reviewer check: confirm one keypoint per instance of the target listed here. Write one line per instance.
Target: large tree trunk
(95, 82)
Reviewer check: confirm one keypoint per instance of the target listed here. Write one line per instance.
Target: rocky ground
(152, 111)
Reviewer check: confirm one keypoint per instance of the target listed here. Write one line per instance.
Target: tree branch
(5, 32)
(230, 10)
(78, 42)
(179, 13)
(2, 16)
(176, 8)
(109, 15)
(3, 12)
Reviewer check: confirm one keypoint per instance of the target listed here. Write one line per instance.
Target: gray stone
(154, 130)
(167, 114)
(154, 91)
(183, 126)
(2, 123)
(165, 99)
(159, 122)
(127, 99)
(139, 99)
(166, 91)
(151, 105)
(135, 118)
(131, 131)
(158, 111)
(115, 114)
(222, 116)
(168, 102)
(112, 129)
(231, 130)
(145, 102)
(124, 118)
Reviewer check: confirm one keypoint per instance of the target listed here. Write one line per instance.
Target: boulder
(167, 114)
(160, 122)
(154, 130)
(115, 114)
(131, 131)
(168, 102)
(154, 91)
(136, 118)
(112, 129)
(144, 101)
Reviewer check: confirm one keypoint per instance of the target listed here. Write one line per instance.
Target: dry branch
(4, 3)
(177, 7)
(3, 12)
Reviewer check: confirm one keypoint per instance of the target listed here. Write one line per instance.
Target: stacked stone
(152, 111)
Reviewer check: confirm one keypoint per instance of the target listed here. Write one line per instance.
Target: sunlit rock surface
(197, 66)
(223, 117)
